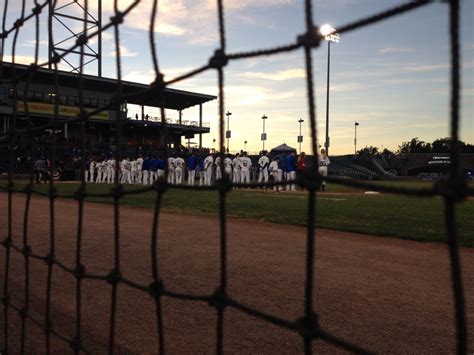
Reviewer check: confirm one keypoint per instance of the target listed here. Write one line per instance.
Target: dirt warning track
(384, 294)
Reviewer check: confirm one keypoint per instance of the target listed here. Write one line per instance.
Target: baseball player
(145, 171)
(208, 162)
(245, 165)
(202, 173)
(133, 171)
(192, 163)
(324, 161)
(178, 170)
(263, 163)
(291, 171)
(100, 171)
(139, 170)
(217, 163)
(171, 168)
(236, 166)
(228, 166)
(92, 169)
(273, 168)
(153, 175)
(160, 167)
(126, 171)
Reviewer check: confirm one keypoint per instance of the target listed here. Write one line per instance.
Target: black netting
(453, 189)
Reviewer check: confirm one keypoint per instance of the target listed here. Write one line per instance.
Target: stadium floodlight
(227, 133)
(330, 35)
(264, 136)
(300, 137)
(245, 145)
(355, 137)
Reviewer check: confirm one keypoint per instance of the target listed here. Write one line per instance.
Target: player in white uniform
(236, 165)
(228, 166)
(171, 167)
(208, 162)
(178, 170)
(100, 171)
(217, 163)
(126, 171)
(323, 161)
(273, 168)
(139, 170)
(263, 163)
(245, 165)
(134, 171)
(92, 170)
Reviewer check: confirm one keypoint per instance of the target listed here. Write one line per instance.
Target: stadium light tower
(264, 135)
(355, 137)
(300, 137)
(227, 133)
(245, 145)
(330, 35)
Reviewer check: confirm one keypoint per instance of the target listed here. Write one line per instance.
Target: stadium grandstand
(138, 130)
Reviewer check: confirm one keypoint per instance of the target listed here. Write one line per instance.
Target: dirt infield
(385, 294)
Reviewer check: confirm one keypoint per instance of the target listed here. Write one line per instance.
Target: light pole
(300, 137)
(245, 145)
(213, 143)
(355, 137)
(264, 136)
(330, 35)
(227, 133)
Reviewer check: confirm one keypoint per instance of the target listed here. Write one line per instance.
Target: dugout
(38, 89)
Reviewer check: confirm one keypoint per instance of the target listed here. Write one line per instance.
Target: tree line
(415, 145)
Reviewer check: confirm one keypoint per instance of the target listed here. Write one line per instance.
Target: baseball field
(386, 294)
(340, 208)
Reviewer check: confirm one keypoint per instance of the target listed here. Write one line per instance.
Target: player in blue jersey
(192, 162)
(290, 165)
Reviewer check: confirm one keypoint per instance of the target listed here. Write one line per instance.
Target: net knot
(82, 40)
(79, 272)
(6, 300)
(118, 192)
(80, 194)
(75, 345)
(310, 39)
(454, 189)
(19, 23)
(156, 288)
(3, 35)
(224, 183)
(48, 326)
(34, 66)
(308, 326)
(161, 185)
(55, 59)
(159, 82)
(37, 10)
(218, 299)
(49, 259)
(114, 277)
(218, 60)
(22, 312)
(28, 189)
(7, 242)
(117, 19)
(53, 192)
(26, 250)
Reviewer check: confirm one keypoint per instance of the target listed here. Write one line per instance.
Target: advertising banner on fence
(64, 111)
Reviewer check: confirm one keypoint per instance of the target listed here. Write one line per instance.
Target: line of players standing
(207, 169)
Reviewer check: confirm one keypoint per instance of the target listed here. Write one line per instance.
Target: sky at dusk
(391, 77)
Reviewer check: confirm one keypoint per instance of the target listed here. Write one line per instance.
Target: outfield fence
(452, 189)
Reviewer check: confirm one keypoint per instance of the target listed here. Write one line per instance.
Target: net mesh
(453, 189)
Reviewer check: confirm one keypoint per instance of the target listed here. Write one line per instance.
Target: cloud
(415, 68)
(277, 76)
(396, 50)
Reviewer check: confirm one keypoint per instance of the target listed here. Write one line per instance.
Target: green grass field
(420, 219)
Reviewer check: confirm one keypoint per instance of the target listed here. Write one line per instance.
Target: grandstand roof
(173, 99)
